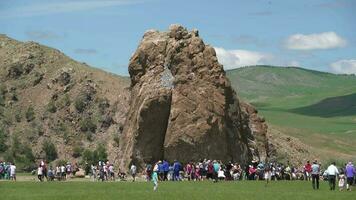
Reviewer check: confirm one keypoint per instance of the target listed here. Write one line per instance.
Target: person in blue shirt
(176, 168)
(165, 166)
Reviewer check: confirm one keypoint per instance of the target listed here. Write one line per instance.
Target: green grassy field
(168, 190)
(316, 107)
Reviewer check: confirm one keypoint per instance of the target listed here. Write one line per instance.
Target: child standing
(342, 182)
(155, 177)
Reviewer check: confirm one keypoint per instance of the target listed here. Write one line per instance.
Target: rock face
(258, 139)
(182, 105)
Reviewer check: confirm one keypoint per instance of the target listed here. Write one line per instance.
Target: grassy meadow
(78, 190)
(316, 107)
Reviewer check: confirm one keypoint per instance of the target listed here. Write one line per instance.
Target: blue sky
(314, 34)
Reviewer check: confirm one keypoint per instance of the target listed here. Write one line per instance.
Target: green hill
(318, 108)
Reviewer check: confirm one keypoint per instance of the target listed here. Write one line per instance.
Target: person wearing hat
(315, 172)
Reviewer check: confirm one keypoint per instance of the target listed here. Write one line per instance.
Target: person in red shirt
(307, 171)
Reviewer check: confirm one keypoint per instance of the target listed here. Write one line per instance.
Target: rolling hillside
(316, 107)
(56, 108)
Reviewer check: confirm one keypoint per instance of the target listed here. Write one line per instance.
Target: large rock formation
(182, 105)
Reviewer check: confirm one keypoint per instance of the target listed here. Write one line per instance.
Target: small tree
(51, 106)
(87, 124)
(15, 146)
(80, 103)
(2, 100)
(50, 150)
(101, 150)
(77, 151)
(30, 114)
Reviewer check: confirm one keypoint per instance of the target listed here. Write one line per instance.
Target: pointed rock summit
(182, 105)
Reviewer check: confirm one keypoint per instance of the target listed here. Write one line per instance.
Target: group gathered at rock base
(204, 170)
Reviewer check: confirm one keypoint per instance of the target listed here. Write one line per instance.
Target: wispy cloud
(344, 67)
(43, 35)
(64, 6)
(326, 40)
(85, 51)
(235, 58)
(238, 58)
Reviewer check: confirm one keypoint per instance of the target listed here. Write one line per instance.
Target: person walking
(350, 173)
(315, 173)
(332, 172)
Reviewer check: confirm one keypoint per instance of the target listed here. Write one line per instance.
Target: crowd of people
(217, 171)
(104, 171)
(60, 172)
(7, 171)
(198, 171)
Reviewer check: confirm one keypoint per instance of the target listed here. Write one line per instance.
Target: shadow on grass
(330, 107)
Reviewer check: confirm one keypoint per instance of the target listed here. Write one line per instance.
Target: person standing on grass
(267, 175)
(133, 171)
(13, 172)
(315, 174)
(40, 173)
(332, 172)
(210, 170)
(307, 171)
(160, 171)
(350, 174)
(155, 177)
(165, 166)
(176, 169)
(63, 172)
(342, 181)
(216, 166)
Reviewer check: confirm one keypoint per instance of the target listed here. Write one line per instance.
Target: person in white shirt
(63, 172)
(133, 171)
(13, 171)
(332, 172)
(40, 173)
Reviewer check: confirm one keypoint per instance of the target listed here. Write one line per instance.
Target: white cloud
(238, 58)
(326, 40)
(61, 7)
(293, 63)
(344, 67)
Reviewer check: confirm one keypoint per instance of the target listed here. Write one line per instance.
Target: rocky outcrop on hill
(46, 96)
(182, 105)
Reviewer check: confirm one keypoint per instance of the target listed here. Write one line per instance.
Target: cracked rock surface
(182, 105)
